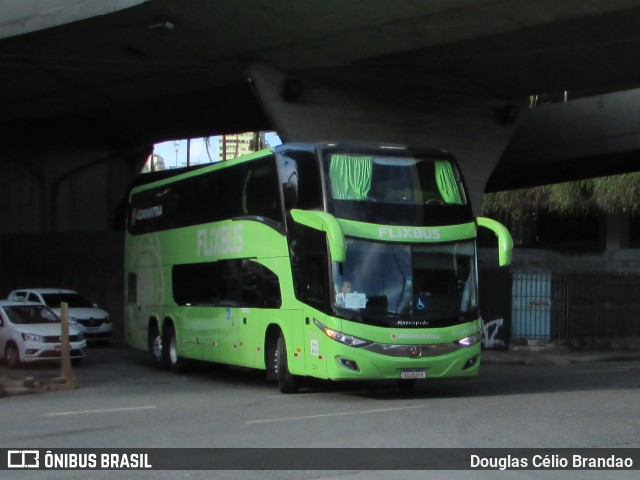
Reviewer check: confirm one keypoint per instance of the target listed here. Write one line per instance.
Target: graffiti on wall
(493, 336)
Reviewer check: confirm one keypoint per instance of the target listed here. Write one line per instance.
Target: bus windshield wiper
(347, 313)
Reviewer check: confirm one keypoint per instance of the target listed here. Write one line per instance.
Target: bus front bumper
(401, 361)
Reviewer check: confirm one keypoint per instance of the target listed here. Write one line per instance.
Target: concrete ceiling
(138, 79)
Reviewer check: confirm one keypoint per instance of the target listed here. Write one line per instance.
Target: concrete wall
(64, 189)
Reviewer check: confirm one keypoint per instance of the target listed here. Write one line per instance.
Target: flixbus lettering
(411, 233)
(224, 240)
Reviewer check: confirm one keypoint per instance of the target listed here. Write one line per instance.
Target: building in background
(154, 163)
(236, 145)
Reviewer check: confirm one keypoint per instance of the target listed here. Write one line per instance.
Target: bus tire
(271, 358)
(287, 382)
(154, 340)
(176, 363)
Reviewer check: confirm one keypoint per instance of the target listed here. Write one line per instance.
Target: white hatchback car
(92, 321)
(30, 332)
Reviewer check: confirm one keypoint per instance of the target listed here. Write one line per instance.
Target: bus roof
(152, 179)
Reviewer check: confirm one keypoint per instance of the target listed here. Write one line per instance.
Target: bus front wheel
(287, 382)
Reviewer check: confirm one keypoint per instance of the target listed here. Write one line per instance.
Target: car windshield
(74, 300)
(30, 315)
(407, 285)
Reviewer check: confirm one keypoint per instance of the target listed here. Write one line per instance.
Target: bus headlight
(343, 338)
(471, 340)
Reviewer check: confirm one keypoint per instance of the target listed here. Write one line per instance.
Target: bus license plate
(413, 373)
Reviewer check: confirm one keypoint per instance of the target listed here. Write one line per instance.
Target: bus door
(316, 361)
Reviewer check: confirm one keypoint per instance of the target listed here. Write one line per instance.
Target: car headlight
(80, 336)
(471, 340)
(343, 338)
(73, 321)
(32, 337)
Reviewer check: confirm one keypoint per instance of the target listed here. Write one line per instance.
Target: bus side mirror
(505, 242)
(327, 223)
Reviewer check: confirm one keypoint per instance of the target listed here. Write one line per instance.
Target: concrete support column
(373, 105)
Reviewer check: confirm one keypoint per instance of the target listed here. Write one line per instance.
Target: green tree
(613, 194)
(602, 195)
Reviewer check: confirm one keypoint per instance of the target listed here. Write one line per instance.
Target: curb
(13, 386)
(524, 358)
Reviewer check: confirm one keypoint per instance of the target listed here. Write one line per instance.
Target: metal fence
(577, 306)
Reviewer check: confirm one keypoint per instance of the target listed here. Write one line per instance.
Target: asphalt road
(124, 402)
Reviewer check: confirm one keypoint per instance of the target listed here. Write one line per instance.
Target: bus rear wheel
(176, 363)
(154, 341)
(287, 382)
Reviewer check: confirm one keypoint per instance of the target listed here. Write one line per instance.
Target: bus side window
(310, 264)
(261, 196)
(300, 176)
(231, 281)
(260, 286)
(225, 199)
(213, 283)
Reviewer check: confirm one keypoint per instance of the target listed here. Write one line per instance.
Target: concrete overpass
(86, 86)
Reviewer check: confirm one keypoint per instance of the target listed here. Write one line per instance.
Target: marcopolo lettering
(409, 233)
(224, 240)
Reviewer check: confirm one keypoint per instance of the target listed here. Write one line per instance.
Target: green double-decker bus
(338, 261)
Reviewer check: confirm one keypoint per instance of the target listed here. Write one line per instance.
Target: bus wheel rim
(156, 347)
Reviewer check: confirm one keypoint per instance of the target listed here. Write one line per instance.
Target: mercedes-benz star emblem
(415, 351)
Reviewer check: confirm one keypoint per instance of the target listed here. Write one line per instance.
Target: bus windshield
(407, 285)
(388, 189)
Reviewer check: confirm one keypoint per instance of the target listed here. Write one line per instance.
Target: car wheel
(12, 355)
(170, 350)
(287, 382)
